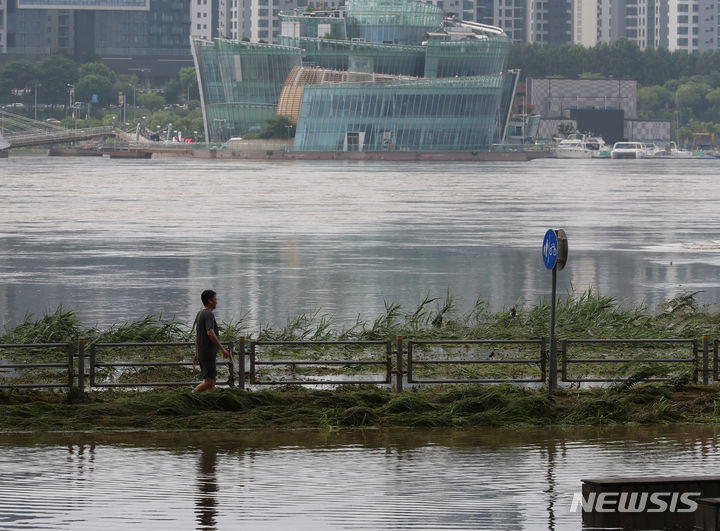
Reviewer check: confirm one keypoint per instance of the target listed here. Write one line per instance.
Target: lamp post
(36, 87)
(71, 94)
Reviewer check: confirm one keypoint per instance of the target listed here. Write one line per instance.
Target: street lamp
(36, 87)
(71, 94)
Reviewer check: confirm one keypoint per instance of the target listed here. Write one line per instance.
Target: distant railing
(322, 363)
(596, 358)
(317, 347)
(54, 349)
(96, 366)
(490, 357)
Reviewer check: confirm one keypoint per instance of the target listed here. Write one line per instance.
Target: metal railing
(315, 346)
(68, 364)
(625, 357)
(540, 361)
(302, 356)
(39, 138)
(95, 365)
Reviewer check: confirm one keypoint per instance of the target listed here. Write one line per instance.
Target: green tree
(16, 76)
(652, 101)
(56, 73)
(279, 126)
(92, 84)
(97, 69)
(172, 91)
(189, 82)
(691, 95)
(151, 101)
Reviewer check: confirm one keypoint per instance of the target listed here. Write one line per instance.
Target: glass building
(377, 75)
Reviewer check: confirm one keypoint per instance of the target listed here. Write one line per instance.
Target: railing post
(92, 365)
(409, 361)
(81, 365)
(71, 365)
(563, 358)
(399, 366)
(552, 377)
(715, 360)
(388, 361)
(252, 362)
(706, 359)
(695, 360)
(241, 363)
(231, 366)
(543, 360)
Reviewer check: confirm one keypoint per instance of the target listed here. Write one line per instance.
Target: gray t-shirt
(206, 321)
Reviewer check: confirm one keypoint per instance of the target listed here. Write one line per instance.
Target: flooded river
(492, 479)
(117, 240)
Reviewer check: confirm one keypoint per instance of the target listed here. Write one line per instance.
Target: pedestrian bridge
(20, 131)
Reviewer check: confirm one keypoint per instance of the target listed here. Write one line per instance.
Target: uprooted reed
(460, 406)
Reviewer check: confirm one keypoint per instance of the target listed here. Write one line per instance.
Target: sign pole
(554, 253)
(552, 383)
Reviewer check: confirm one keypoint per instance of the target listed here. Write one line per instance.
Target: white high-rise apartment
(585, 22)
(3, 26)
(692, 25)
(201, 19)
(512, 16)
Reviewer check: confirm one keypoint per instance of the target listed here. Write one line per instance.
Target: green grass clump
(456, 406)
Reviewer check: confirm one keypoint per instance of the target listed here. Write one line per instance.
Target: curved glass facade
(240, 84)
(423, 115)
(392, 21)
(361, 56)
(456, 104)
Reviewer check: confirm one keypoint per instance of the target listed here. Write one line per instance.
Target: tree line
(677, 86)
(57, 80)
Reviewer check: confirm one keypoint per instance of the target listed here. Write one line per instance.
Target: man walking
(207, 342)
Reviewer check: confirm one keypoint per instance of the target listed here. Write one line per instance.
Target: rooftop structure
(379, 75)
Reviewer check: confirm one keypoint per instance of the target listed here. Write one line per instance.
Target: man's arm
(214, 339)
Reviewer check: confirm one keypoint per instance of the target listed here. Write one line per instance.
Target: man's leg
(208, 384)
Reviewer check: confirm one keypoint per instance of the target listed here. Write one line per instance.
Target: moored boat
(628, 150)
(580, 146)
(671, 151)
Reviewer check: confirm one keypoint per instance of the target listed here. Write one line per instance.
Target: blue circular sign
(550, 249)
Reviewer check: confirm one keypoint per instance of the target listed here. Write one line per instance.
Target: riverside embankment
(631, 401)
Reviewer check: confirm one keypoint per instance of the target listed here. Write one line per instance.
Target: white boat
(628, 150)
(579, 146)
(671, 151)
(650, 150)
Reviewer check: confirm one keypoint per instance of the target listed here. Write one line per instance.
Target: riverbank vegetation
(655, 345)
(460, 406)
(584, 315)
(588, 315)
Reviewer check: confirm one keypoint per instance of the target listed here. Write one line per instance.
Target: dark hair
(207, 296)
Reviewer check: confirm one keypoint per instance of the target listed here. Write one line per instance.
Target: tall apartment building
(151, 37)
(550, 21)
(512, 16)
(690, 25)
(3, 26)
